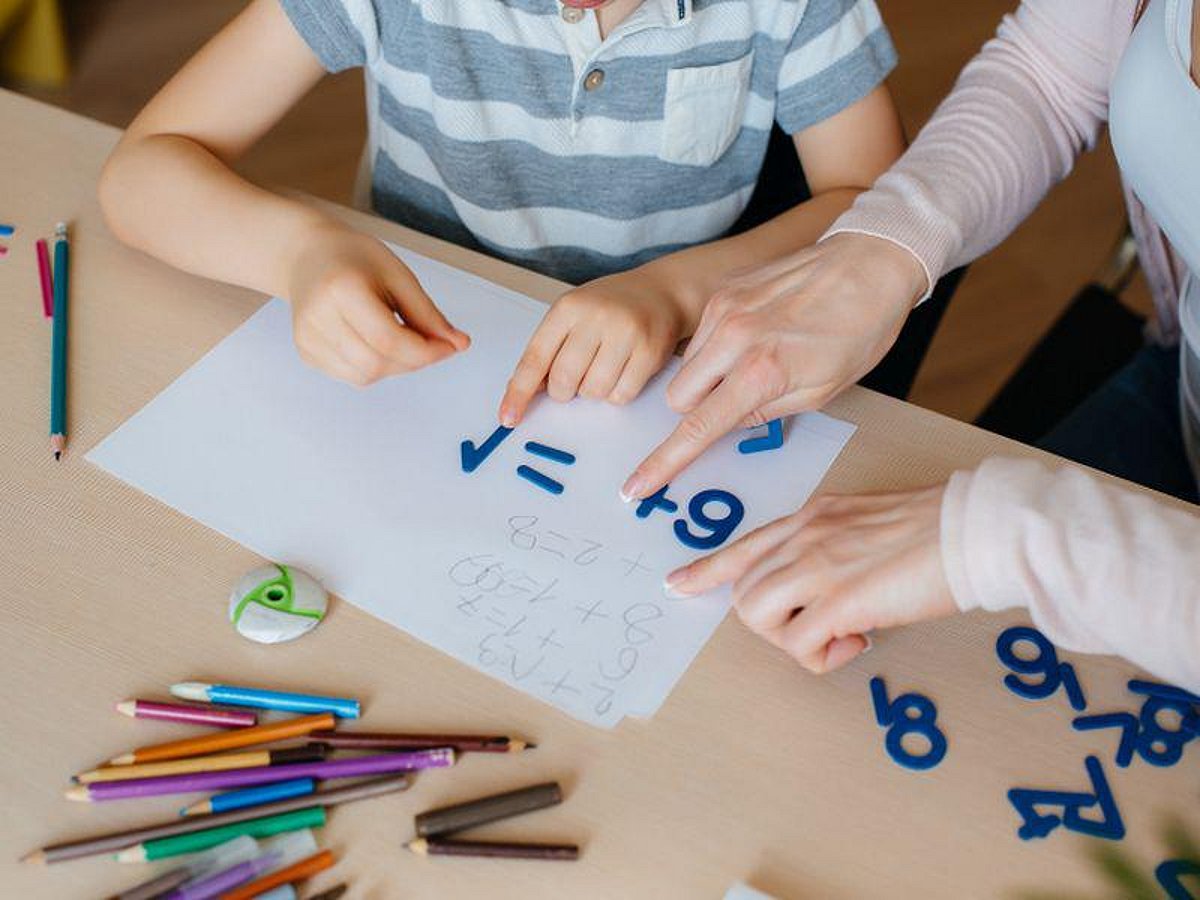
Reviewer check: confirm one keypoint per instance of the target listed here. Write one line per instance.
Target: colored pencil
(221, 882)
(460, 743)
(181, 712)
(461, 816)
(193, 842)
(226, 740)
(494, 849)
(298, 871)
(7, 230)
(220, 762)
(156, 887)
(58, 342)
(222, 856)
(107, 843)
(45, 278)
(254, 796)
(356, 767)
(231, 695)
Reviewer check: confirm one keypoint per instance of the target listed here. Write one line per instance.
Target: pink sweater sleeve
(1022, 110)
(1102, 568)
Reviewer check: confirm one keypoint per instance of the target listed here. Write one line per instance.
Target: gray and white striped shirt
(510, 126)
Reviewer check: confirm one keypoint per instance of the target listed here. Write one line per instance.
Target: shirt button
(594, 79)
(571, 14)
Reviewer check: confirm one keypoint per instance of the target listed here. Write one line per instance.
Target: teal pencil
(58, 355)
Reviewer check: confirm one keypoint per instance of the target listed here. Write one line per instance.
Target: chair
(1090, 341)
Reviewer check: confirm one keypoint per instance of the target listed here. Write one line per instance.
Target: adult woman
(1102, 569)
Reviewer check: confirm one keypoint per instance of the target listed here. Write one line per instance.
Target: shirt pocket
(703, 111)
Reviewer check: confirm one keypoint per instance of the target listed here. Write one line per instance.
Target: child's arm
(609, 337)
(168, 189)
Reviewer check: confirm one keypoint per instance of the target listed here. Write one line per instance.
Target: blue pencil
(231, 695)
(252, 796)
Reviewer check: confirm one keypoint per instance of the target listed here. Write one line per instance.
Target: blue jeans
(1130, 426)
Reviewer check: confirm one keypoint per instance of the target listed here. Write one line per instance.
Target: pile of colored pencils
(253, 835)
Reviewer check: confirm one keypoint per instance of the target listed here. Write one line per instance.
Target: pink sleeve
(1022, 110)
(1102, 568)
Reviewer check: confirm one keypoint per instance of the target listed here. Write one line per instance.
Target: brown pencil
(216, 763)
(494, 849)
(461, 816)
(121, 840)
(462, 743)
(227, 740)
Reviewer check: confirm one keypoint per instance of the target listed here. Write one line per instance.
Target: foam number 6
(718, 530)
(908, 714)
(1045, 663)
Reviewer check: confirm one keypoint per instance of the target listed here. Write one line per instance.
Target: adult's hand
(815, 583)
(781, 339)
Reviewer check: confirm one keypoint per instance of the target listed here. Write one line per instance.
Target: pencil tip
(531, 746)
(420, 846)
(127, 707)
(37, 856)
(79, 794)
(132, 855)
(57, 455)
(124, 759)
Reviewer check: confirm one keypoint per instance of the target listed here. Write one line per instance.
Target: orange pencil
(226, 740)
(306, 868)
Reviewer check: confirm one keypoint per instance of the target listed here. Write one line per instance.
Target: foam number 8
(1156, 744)
(718, 530)
(1045, 663)
(908, 714)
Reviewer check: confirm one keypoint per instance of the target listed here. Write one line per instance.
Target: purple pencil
(218, 884)
(215, 781)
(180, 712)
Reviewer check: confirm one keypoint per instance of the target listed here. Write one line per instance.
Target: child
(611, 142)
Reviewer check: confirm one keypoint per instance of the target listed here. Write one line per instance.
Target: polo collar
(673, 13)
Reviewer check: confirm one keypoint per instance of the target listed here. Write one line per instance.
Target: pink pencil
(178, 712)
(43, 255)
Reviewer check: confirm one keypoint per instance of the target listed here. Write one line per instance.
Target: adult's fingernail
(633, 489)
(868, 645)
(508, 418)
(674, 585)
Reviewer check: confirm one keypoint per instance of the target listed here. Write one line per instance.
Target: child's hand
(347, 290)
(603, 340)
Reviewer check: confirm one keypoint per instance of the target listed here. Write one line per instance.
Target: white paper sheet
(560, 596)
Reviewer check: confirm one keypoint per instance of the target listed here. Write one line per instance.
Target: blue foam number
(657, 500)
(719, 530)
(1128, 724)
(1170, 871)
(1035, 824)
(772, 440)
(1164, 746)
(472, 457)
(908, 714)
(1054, 674)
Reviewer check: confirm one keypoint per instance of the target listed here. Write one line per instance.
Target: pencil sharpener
(276, 603)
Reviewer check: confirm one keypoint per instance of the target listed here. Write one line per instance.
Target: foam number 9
(908, 714)
(1045, 663)
(719, 529)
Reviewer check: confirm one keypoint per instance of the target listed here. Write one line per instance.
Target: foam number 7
(1045, 663)
(1036, 824)
(908, 714)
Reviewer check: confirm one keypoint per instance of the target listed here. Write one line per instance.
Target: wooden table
(753, 770)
